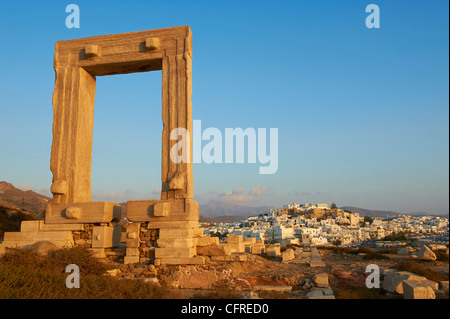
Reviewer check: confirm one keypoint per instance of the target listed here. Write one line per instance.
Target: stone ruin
(165, 230)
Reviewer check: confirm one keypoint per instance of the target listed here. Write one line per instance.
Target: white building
(259, 234)
(319, 241)
(354, 219)
(281, 232)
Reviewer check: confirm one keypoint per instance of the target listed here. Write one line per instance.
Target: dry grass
(369, 253)
(56, 261)
(25, 275)
(416, 268)
(441, 255)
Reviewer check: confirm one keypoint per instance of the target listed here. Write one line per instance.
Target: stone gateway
(73, 218)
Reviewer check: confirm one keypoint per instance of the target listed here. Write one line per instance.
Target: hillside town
(319, 224)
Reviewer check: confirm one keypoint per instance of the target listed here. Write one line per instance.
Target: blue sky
(362, 114)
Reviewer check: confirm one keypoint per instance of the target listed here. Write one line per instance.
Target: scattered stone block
(316, 260)
(235, 239)
(321, 280)
(315, 253)
(239, 257)
(219, 250)
(317, 263)
(257, 249)
(287, 255)
(328, 292)
(426, 253)
(236, 247)
(314, 293)
(273, 251)
(393, 281)
(414, 289)
(208, 241)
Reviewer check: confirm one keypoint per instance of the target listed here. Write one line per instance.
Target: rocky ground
(269, 277)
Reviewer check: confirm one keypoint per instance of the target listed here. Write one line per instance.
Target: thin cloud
(236, 195)
(257, 191)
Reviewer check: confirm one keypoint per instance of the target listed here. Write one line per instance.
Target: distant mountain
(215, 209)
(220, 219)
(30, 201)
(369, 212)
(426, 214)
(384, 213)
